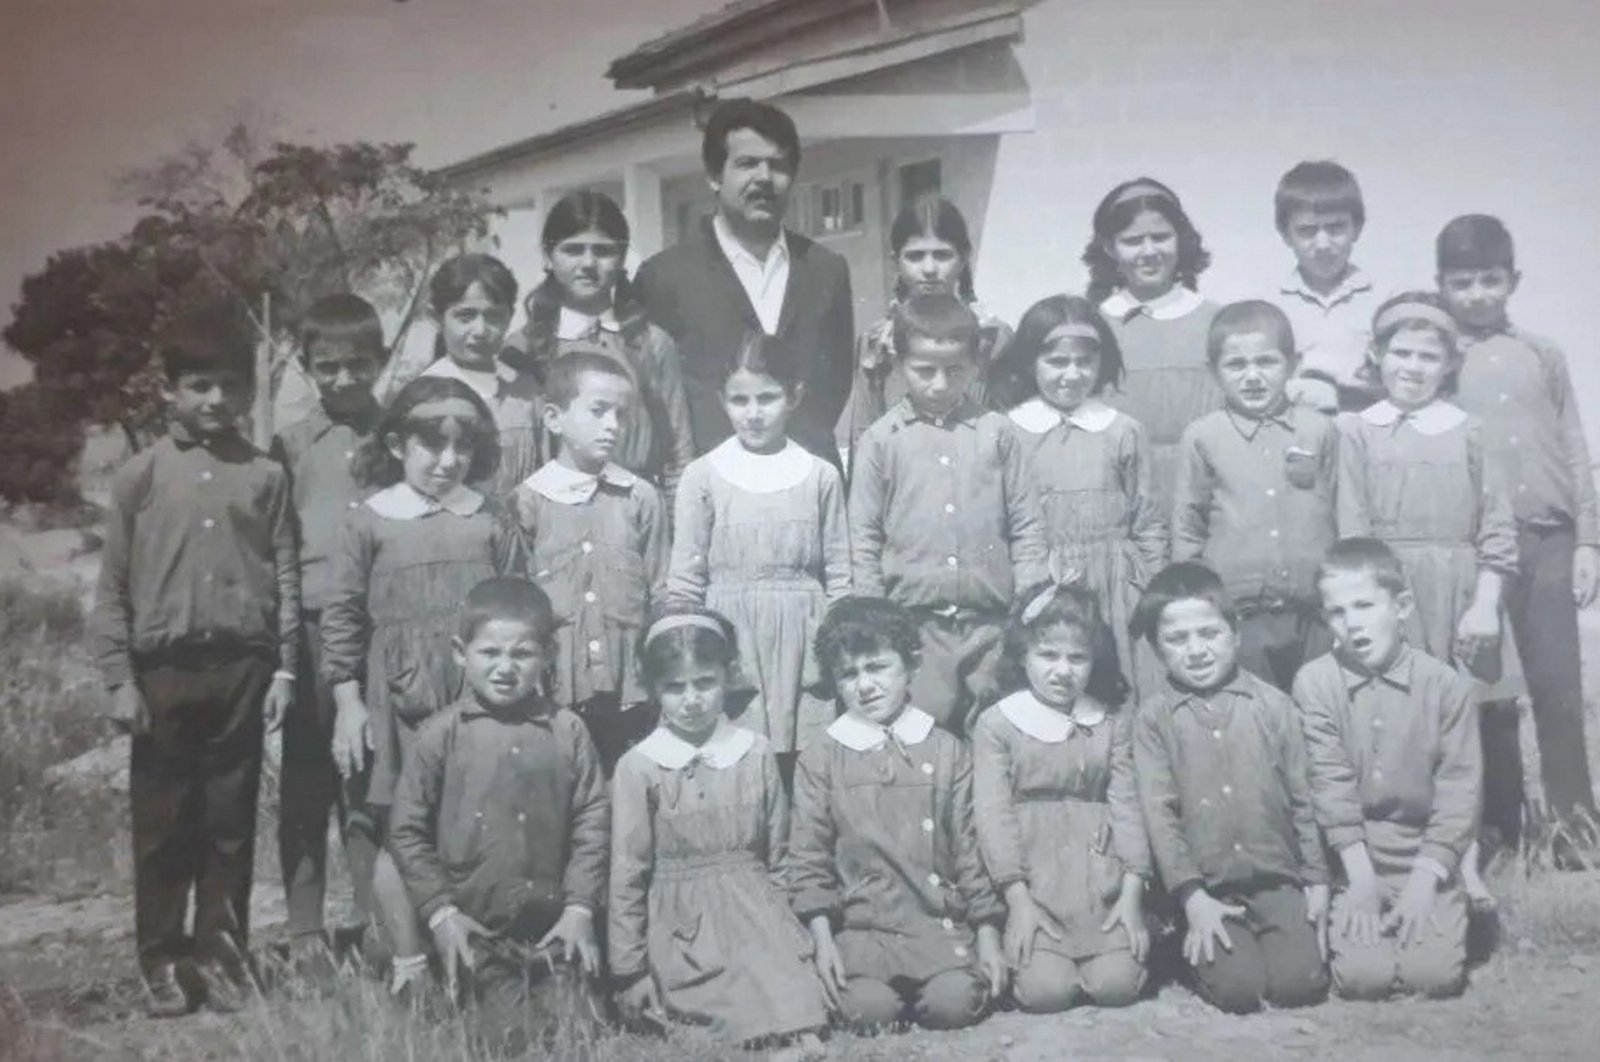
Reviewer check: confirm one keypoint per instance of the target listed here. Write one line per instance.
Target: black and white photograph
(799, 530)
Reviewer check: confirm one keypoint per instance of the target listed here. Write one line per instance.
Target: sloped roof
(725, 29)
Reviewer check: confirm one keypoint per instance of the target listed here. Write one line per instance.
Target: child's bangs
(434, 429)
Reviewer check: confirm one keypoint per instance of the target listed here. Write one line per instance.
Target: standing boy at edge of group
(196, 627)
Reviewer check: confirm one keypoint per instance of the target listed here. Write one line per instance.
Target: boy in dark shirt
(501, 826)
(196, 628)
(1220, 762)
(342, 351)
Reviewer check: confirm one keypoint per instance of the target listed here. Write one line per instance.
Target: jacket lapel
(798, 283)
(720, 270)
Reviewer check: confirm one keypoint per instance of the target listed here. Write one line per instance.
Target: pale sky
(93, 88)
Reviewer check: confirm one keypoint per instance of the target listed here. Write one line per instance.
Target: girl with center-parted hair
(699, 927)
(1145, 257)
(1089, 462)
(1058, 810)
(586, 301)
(407, 559)
(932, 254)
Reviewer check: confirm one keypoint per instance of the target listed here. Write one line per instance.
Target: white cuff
(439, 917)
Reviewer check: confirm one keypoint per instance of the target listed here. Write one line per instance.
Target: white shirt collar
(574, 325)
(1038, 416)
(911, 727)
(566, 485)
(764, 280)
(1038, 720)
(1178, 302)
(1354, 283)
(1435, 418)
(404, 502)
(484, 381)
(761, 473)
(725, 747)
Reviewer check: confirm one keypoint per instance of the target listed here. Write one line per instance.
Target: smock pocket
(1300, 467)
(685, 955)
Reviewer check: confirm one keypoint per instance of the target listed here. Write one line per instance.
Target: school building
(1024, 112)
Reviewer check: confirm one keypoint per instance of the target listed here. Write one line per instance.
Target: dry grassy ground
(69, 990)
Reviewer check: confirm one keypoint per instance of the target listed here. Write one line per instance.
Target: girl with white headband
(1090, 463)
(700, 928)
(1144, 259)
(1415, 473)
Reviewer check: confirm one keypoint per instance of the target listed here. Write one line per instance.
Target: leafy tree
(279, 226)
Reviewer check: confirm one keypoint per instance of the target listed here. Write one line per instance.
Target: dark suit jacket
(691, 291)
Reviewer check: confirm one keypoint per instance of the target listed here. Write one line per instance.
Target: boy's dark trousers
(1277, 636)
(1275, 957)
(1544, 621)
(310, 787)
(193, 786)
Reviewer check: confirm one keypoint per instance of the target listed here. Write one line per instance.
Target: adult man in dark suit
(742, 270)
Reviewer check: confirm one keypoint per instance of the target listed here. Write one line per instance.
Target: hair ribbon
(683, 619)
(1144, 190)
(1060, 579)
(1414, 311)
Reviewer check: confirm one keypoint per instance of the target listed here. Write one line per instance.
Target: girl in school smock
(1089, 462)
(1144, 259)
(586, 302)
(761, 538)
(1058, 812)
(699, 928)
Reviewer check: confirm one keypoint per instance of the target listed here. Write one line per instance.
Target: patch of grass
(51, 709)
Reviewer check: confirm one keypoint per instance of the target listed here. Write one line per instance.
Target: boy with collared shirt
(1395, 769)
(943, 519)
(501, 827)
(196, 627)
(1330, 302)
(343, 352)
(1518, 384)
(1220, 763)
(1254, 492)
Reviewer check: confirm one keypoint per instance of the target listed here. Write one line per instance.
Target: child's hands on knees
(1317, 915)
(1408, 918)
(830, 965)
(1205, 914)
(129, 711)
(642, 1000)
(574, 930)
(1361, 912)
(1024, 918)
(352, 733)
(452, 940)
(991, 963)
(1128, 912)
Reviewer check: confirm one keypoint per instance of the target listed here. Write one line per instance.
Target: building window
(833, 208)
(920, 178)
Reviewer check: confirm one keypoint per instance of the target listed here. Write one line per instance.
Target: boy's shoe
(164, 996)
(228, 986)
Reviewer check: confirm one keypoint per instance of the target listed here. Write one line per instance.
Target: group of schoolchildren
(1110, 628)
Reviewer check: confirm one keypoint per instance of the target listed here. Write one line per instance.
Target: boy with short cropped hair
(501, 827)
(342, 351)
(943, 518)
(1395, 767)
(196, 627)
(1220, 762)
(1519, 385)
(1320, 214)
(597, 538)
(1254, 491)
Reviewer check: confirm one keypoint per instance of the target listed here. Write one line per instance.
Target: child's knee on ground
(953, 999)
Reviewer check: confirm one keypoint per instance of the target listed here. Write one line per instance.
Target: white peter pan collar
(911, 727)
(725, 747)
(1038, 416)
(761, 473)
(574, 325)
(1435, 418)
(403, 502)
(1178, 302)
(566, 485)
(1038, 720)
